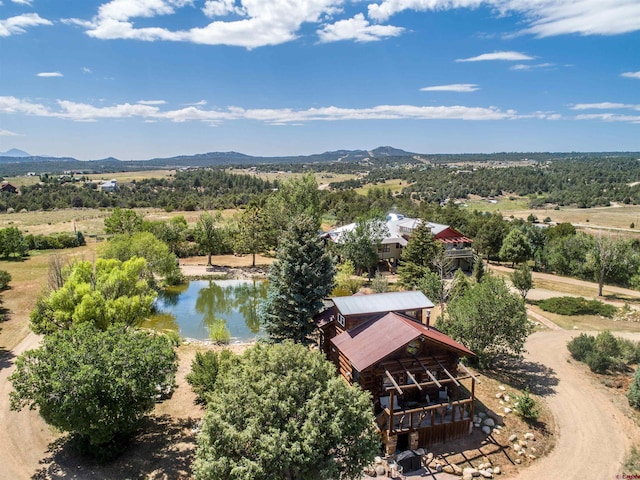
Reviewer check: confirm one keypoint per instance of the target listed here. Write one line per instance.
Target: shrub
(526, 406)
(577, 306)
(581, 346)
(5, 278)
(204, 372)
(598, 362)
(633, 395)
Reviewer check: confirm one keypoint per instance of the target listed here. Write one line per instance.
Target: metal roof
(368, 344)
(382, 302)
(372, 342)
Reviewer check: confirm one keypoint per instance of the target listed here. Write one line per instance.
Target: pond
(216, 310)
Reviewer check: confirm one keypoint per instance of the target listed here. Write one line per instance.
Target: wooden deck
(426, 416)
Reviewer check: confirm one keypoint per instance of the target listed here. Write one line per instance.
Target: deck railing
(408, 420)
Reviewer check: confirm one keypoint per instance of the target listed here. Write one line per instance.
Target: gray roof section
(382, 302)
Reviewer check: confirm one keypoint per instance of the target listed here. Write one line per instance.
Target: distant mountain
(14, 152)
(390, 152)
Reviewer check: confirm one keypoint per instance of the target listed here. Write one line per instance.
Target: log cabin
(385, 343)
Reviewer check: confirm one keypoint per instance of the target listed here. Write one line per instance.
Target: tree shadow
(164, 448)
(6, 358)
(520, 373)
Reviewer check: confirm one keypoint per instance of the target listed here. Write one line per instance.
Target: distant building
(457, 246)
(108, 186)
(8, 188)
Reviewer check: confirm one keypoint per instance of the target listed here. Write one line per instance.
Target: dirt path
(593, 435)
(23, 435)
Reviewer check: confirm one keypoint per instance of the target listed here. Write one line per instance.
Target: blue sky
(137, 79)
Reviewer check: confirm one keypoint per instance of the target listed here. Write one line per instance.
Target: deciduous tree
(522, 280)
(515, 247)
(95, 384)
(489, 320)
(123, 221)
(208, 234)
(103, 294)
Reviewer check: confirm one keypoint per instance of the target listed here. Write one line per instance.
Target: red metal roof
(370, 343)
(449, 235)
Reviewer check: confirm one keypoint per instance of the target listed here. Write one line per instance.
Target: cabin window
(341, 320)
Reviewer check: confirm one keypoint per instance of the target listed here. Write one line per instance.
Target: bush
(5, 278)
(633, 395)
(204, 372)
(526, 406)
(577, 306)
(581, 346)
(598, 362)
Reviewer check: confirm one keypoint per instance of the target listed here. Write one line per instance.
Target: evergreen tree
(281, 412)
(300, 278)
(418, 256)
(478, 270)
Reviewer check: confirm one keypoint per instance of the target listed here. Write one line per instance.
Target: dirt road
(23, 435)
(594, 435)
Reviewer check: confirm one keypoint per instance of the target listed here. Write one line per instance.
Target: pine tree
(300, 278)
(417, 258)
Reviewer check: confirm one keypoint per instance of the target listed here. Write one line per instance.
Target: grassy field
(396, 185)
(122, 177)
(89, 221)
(502, 204)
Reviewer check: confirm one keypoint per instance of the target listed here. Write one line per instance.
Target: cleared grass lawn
(125, 177)
(616, 216)
(499, 204)
(587, 322)
(395, 184)
(87, 220)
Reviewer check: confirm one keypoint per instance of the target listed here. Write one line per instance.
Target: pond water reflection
(202, 308)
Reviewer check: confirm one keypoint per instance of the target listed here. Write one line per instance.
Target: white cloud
(631, 75)
(49, 74)
(151, 102)
(261, 23)
(545, 17)
(85, 112)
(16, 25)
(358, 29)
(605, 106)
(8, 133)
(200, 103)
(454, 87)
(508, 56)
(220, 8)
(86, 70)
(609, 117)
(524, 66)
(22, 2)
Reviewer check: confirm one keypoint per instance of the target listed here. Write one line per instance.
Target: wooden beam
(469, 373)
(444, 369)
(410, 375)
(434, 379)
(393, 381)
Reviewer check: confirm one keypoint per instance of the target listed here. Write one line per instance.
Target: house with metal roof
(458, 247)
(385, 343)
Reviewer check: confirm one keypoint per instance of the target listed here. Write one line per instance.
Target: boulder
(501, 387)
(448, 469)
(499, 394)
(489, 422)
(513, 438)
(485, 474)
(518, 461)
(506, 398)
(482, 414)
(507, 410)
(497, 470)
(380, 470)
(529, 436)
(486, 429)
(516, 446)
(470, 472)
